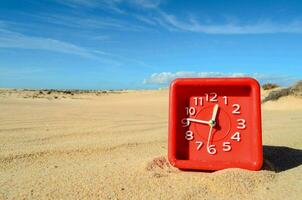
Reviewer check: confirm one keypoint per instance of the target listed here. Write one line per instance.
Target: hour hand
(214, 114)
(186, 121)
(215, 110)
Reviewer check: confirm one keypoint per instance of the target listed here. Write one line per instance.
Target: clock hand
(209, 137)
(212, 124)
(214, 114)
(186, 121)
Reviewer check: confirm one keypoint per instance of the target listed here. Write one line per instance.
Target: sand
(113, 145)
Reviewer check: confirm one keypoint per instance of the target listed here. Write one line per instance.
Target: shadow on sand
(279, 158)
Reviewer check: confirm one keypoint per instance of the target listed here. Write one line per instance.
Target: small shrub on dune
(296, 89)
(275, 95)
(269, 86)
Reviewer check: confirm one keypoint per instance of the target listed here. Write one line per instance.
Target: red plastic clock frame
(255, 161)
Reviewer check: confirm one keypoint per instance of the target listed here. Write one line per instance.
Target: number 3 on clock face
(215, 123)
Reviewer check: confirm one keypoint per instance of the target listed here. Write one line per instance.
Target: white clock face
(213, 122)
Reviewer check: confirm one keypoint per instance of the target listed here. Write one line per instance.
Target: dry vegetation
(269, 86)
(54, 93)
(295, 90)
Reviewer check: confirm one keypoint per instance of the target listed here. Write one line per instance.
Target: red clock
(215, 123)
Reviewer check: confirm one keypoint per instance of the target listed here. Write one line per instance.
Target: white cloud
(86, 22)
(112, 5)
(108, 5)
(153, 15)
(260, 27)
(146, 3)
(10, 39)
(164, 78)
(144, 19)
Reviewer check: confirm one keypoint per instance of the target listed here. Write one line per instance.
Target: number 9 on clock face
(215, 123)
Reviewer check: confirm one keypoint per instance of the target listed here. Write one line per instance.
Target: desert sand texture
(113, 145)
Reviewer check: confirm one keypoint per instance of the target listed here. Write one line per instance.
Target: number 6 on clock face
(215, 123)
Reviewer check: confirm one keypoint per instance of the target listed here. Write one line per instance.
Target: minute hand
(198, 121)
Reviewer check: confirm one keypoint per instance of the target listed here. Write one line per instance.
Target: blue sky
(134, 44)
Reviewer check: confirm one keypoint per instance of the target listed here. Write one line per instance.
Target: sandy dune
(113, 145)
